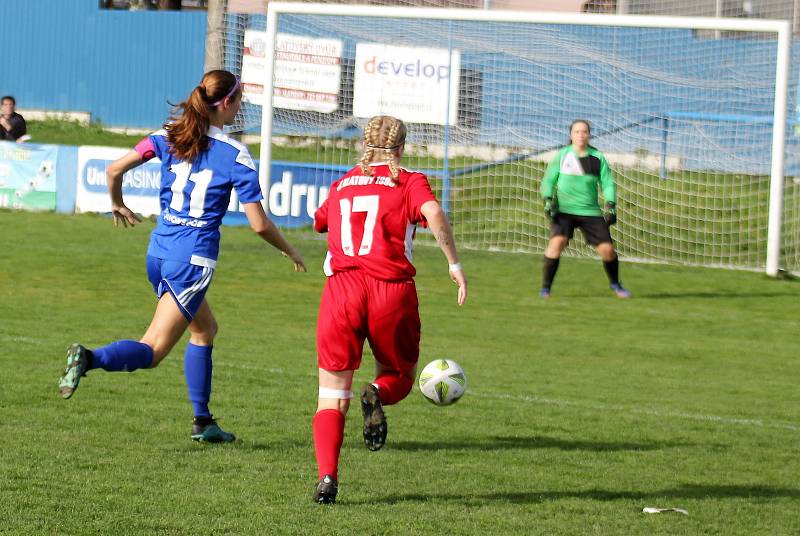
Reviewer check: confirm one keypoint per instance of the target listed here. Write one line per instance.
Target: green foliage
(581, 410)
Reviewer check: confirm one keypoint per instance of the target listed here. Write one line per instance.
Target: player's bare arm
(267, 230)
(114, 173)
(440, 227)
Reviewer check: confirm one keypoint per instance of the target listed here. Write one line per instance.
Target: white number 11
(197, 199)
(361, 203)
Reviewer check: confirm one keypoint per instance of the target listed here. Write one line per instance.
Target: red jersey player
(370, 216)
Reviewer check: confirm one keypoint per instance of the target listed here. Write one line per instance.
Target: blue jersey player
(200, 167)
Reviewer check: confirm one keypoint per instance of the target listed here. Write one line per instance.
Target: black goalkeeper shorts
(594, 228)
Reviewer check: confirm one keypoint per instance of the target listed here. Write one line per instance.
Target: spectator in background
(599, 6)
(747, 11)
(12, 125)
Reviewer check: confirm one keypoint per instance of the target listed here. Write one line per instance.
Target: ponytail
(189, 122)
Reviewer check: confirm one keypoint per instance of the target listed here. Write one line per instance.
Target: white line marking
(760, 423)
(656, 413)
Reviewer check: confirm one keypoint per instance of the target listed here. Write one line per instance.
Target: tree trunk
(215, 36)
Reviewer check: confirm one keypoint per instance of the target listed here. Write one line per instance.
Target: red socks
(328, 426)
(392, 389)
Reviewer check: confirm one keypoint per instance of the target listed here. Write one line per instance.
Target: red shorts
(355, 307)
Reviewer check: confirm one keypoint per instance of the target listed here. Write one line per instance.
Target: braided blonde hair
(383, 135)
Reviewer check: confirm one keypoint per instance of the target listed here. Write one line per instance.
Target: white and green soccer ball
(442, 382)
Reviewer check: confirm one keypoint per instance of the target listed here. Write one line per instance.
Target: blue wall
(120, 66)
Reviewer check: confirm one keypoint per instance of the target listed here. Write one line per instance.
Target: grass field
(581, 410)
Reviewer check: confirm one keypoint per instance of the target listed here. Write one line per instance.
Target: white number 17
(361, 203)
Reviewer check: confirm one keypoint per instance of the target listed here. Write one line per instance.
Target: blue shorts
(186, 282)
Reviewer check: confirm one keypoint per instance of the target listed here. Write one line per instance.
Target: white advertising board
(140, 186)
(417, 85)
(308, 72)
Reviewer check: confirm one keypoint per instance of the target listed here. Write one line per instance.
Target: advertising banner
(28, 175)
(140, 186)
(254, 68)
(308, 72)
(27, 180)
(298, 190)
(417, 85)
(291, 202)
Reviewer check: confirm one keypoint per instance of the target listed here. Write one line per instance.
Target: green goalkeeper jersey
(573, 181)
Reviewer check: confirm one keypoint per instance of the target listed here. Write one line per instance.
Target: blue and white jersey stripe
(186, 296)
(195, 196)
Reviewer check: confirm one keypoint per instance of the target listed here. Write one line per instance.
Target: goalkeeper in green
(570, 193)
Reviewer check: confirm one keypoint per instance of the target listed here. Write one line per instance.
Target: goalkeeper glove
(550, 208)
(610, 214)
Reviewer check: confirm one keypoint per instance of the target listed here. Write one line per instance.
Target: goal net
(685, 110)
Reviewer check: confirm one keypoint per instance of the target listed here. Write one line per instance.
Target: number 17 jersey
(371, 220)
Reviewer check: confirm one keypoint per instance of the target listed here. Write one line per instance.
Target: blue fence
(120, 66)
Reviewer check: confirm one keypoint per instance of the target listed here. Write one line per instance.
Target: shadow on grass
(486, 444)
(687, 492)
(245, 444)
(697, 295)
(715, 295)
(533, 442)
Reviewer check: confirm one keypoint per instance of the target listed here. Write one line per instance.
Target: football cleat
(375, 428)
(78, 360)
(620, 291)
(544, 293)
(326, 490)
(206, 430)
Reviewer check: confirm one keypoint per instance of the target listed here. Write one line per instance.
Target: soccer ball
(442, 382)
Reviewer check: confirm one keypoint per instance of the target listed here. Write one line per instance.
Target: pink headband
(232, 91)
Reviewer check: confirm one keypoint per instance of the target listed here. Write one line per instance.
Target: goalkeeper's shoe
(78, 362)
(206, 429)
(326, 490)
(544, 293)
(620, 291)
(375, 428)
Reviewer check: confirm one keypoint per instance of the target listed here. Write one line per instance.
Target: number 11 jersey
(194, 198)
(371, 220)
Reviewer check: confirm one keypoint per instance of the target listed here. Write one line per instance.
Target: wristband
(455, 267)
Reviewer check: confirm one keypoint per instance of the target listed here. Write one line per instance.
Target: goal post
(691, 113)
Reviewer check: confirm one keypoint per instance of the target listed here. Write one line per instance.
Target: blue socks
(131, 355)
(124, 356)
(197, 368)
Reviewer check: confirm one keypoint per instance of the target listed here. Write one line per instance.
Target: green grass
(581, 410)
(74, 133)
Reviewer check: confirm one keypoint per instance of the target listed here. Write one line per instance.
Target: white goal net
(683, 108)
